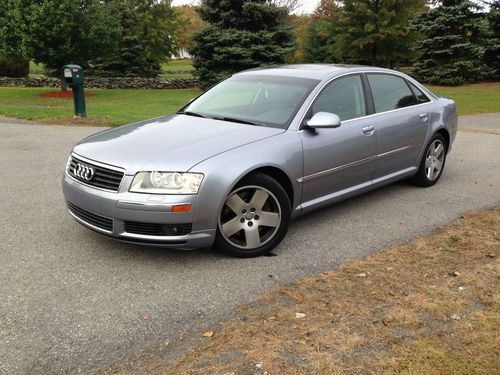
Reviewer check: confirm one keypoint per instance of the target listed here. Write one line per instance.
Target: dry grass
(430, 306)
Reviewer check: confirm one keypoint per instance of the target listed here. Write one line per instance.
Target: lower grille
(152, 229)
(93, 219)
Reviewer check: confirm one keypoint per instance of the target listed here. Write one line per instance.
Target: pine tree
(238, 35)
(375, 32)
(492, 43)
(451, 51)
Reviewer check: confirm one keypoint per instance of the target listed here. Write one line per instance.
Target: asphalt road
(71, 299)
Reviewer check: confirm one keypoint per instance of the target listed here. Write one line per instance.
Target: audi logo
(83, 172)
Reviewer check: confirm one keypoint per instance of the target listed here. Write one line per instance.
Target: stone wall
(105, 82)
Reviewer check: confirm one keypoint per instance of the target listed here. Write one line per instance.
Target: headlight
(166, 183)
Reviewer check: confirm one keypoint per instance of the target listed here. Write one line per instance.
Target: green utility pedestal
(73, 77)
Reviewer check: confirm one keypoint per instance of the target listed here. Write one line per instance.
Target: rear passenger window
(390, 92)
(344, 97)
(422, 98)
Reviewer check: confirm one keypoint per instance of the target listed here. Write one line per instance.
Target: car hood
(173, 143)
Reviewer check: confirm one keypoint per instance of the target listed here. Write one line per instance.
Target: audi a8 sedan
(237, 163)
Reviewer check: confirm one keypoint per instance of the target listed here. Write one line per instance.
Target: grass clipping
(430, 306)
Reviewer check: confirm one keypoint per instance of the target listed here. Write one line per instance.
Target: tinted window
(390, 92)
(264, 99)
(344, 97)
(422, 98)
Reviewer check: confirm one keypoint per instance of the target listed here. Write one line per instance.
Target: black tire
(276, 205)
(421, 178)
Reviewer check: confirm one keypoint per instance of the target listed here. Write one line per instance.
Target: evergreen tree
(492, 43)
(147, 39)
(320, 37)
(375, 32)
(451, 51)
(238, 35)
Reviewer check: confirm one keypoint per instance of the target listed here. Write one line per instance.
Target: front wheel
(255, 217)
(432, 164)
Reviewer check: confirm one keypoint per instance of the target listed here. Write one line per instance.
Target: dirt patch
(430, 306)
(62, 94)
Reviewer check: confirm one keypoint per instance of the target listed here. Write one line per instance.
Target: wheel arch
(444, 132)
(279, 175)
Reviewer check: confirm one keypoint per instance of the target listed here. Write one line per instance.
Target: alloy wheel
(434, 160)
(250, 218)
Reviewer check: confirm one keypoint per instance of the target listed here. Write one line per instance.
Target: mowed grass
(118, 107)
(177, 65)
(107, 107)
(473, 98)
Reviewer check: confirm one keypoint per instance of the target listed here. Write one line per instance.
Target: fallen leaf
(362, 274)
(299, 315)
(208, 334)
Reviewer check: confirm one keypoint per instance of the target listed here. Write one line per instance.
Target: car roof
(311, 71)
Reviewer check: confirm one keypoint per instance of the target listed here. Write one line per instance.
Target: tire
(256, 200)
(432, 163)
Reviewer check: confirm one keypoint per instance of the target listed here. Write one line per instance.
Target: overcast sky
(308, 7)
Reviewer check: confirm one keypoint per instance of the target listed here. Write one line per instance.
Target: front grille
(96, 220)
(152, 229)
(102, 177)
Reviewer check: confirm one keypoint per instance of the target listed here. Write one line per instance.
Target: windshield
(253, 99)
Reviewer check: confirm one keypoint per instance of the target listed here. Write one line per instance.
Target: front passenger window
(344, 97)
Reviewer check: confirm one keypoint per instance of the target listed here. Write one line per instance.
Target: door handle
(423, 116)
(368, 130)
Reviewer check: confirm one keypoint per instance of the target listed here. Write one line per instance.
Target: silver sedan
(235, 165)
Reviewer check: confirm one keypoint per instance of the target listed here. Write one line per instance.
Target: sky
(308, 7)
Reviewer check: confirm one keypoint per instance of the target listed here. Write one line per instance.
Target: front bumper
(123, 206)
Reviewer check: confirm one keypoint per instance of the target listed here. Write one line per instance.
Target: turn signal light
(181, 208)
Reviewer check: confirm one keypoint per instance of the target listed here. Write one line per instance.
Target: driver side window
(344, 97)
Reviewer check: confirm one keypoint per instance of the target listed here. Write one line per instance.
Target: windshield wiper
(189, 113)
(238, 120)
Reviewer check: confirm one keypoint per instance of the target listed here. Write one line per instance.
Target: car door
(401, 123)
(336, 160)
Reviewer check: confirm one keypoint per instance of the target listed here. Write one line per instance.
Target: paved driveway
(71, 299)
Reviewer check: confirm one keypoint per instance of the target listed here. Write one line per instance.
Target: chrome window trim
(354, 163)
(90, 161)
(301, 123)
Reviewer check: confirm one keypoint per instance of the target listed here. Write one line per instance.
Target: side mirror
(324, 120)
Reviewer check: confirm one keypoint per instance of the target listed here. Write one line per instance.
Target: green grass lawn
(474, 98)
(118, 107)
(177, 65)
(107, 107)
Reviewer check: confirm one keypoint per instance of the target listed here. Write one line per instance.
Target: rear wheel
(255, 217)
(432, 164)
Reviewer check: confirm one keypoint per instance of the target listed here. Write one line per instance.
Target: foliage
(189, 23)
(492, 43)
(58, 32)
(239, 34)
(320, 35)
(451, 51)
(375, 32)
(370, 32)
(300, 26)
(14, 67)
(147, 38)
(10, 38)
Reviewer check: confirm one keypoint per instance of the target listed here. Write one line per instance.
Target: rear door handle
(368, 130)
(423, 116)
